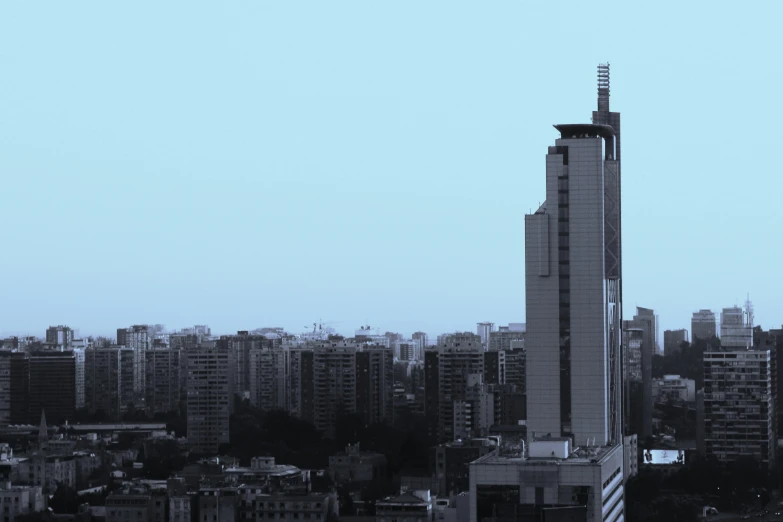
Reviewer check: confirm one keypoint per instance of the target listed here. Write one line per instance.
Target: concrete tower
(573, 274)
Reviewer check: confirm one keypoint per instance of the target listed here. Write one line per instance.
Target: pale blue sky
(247, 164)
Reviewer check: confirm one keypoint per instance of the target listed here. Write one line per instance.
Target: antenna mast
(603, 87)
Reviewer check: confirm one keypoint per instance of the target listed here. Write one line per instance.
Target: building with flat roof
(672, 339)
(209, 394)
(673, 388)
(703, 325)
(736, 328)
(555, 478)
(738, 415)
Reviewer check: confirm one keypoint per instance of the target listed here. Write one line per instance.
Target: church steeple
(43, 430)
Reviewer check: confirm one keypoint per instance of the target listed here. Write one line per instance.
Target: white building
(674, 388)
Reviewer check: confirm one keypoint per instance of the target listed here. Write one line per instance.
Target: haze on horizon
(265, 164)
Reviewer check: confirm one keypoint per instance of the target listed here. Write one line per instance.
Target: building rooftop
(578, 456)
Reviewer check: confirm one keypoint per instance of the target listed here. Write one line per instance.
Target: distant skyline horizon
(263, 164)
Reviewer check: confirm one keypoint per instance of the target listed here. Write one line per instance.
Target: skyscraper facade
(703, 325)
(645, 321)
(736, 328)
(573, 271)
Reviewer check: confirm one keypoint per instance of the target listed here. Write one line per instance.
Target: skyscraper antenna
(603, 87)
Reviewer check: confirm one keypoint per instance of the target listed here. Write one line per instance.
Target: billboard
(667, 457)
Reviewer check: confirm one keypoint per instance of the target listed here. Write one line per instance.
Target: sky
(249, 163)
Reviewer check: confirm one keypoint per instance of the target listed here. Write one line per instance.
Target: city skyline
(272, 178)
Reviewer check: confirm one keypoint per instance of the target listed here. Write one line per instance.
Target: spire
(43, 430)
(603, 87)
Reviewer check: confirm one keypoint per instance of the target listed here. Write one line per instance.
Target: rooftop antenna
(603, 87)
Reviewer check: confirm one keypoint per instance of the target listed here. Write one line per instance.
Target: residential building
(79, 354)
(474, 414)
(139, 339)
(516, 367)
(301, 384)
(162, 378)
(375, 384)
(703, 325)
(334, 394)
(52, 386)
(739, 418)
(61, 336)
(241, 346)
(672, 340)
(254, 505)
(20, 388)
(136, 502)
(508, 337)
(208, 397)
(673, 388)
(495, 367)
(5, 387)
(423, 343)
(268, 377)
(447, 368)
(103, 378)
(17, 501)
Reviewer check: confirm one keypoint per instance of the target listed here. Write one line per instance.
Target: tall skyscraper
(703, 325)
(736, 328)
(573, 271)
(644, 321)
(208, 397)
(572, 466)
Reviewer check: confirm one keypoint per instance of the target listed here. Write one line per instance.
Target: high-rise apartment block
(507, 337)
(375, 384)
(572, 466)
(672, 339)
(139, 339)
(484, 330)
(736, 328)
(208, 396)
(301, 384)
(163, 390)
(60, 335)
(738, 405)
(268, 377)
(447, 370)
(109, 380)
(703, 325)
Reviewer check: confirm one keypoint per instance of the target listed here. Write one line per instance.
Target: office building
(208, 397)
(447, 369)
(645, 322)
(61, 336)
(52, 386)
(20, 388)
(703, 325)
(516, 368)
(484, 331)
(672, 341)
(573, 271)
(163, 391)
(738, 406)
(573, 462)
(495, 367)
(736, 328)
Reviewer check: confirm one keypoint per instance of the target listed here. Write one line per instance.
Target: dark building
(20, 388)
(52, 386)
(672, 341)
(302, 389)
(645, 320)
(451, 464)
(516, 359)
(431, 397)
(495, 367)
(510, 404)
(703, 325)
(375, 385)
(102, 378)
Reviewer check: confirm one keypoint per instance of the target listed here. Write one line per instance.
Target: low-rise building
(138, 502)
(553, 479)
(673, 388)
(354, 465)
(16, 501)
(412, 506)
(256, 506)
(452, 461)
